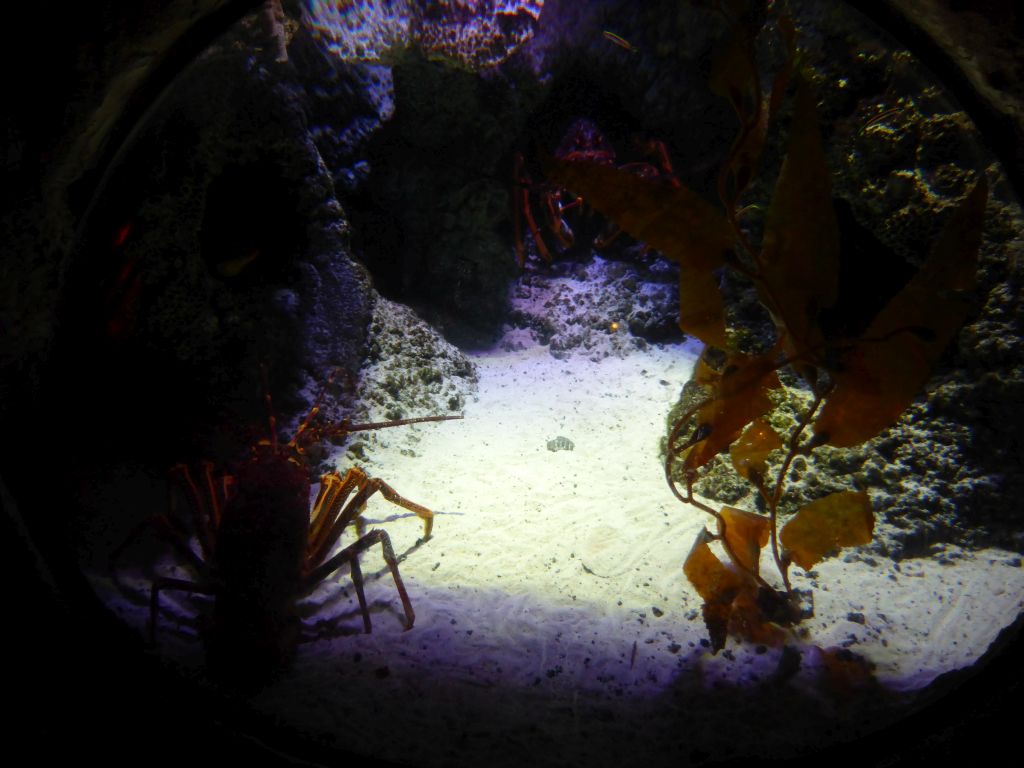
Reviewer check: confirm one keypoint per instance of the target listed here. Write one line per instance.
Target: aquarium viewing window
(548, 382)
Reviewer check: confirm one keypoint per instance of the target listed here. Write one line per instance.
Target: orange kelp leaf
(884, 370)
(733, 74)
(841, 519)
(751, 450)
(746, 533)
(703, 373)
(701, 311)
(747, 620)
(734, 77)
(716, 619)
(714, 581)
(730, 598)
(717, 584)
(740, 396)
(799, 260)
(672, 219)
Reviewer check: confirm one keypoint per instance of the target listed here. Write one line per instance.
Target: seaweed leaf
(748, 621)
(750, 452)
(882, 372)
(845, 673)
(717, 584)
(732, 599)
(713, 580)
(701, 310)
(799, 259)
(675, 220)
(746, 534)
(740, 395)
(734, 76)
(841, 519)
(787, 31)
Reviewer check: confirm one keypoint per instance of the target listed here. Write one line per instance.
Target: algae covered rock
(902, 157)
(598, 308)
(410, 369)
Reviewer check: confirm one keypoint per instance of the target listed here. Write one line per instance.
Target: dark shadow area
(86, 685)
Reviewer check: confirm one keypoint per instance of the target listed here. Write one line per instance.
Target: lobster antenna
(313, 411)
(396, 423)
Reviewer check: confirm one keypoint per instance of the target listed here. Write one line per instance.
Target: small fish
(621, 42)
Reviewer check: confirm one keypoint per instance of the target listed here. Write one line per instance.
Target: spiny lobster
(260, 547)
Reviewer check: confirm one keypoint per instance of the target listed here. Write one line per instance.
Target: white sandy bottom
(553, 622)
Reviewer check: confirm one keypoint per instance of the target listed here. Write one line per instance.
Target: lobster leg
(331, 515)
(338, 519)
(389, 493)
(357, 581)
(538, 241)
(165, 582)
(170, 531)
(334, 491)
(351, 554)
(205, 513)
(521, 210)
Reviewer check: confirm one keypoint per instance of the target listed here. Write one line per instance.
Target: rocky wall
(902, 153)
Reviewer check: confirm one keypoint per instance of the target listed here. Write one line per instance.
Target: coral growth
(471, 33)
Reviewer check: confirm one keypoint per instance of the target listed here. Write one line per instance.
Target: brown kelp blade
(717, 584)
(734, 77)
(713, 580)
(750, 452)
(701, 310)
(739, 396)
(842, 519)
(746, 534)
(845, 674)
(731, 598)
(673, 219)
(668, 217)
(883, 371)
(799, 260)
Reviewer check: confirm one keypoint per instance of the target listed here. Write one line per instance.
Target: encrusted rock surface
(595, 308)
(433, 222)
(471, 33)
(218, 247)
(902, 155)
(410, 369)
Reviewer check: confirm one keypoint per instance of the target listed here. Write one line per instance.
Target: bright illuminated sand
(553, 622)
